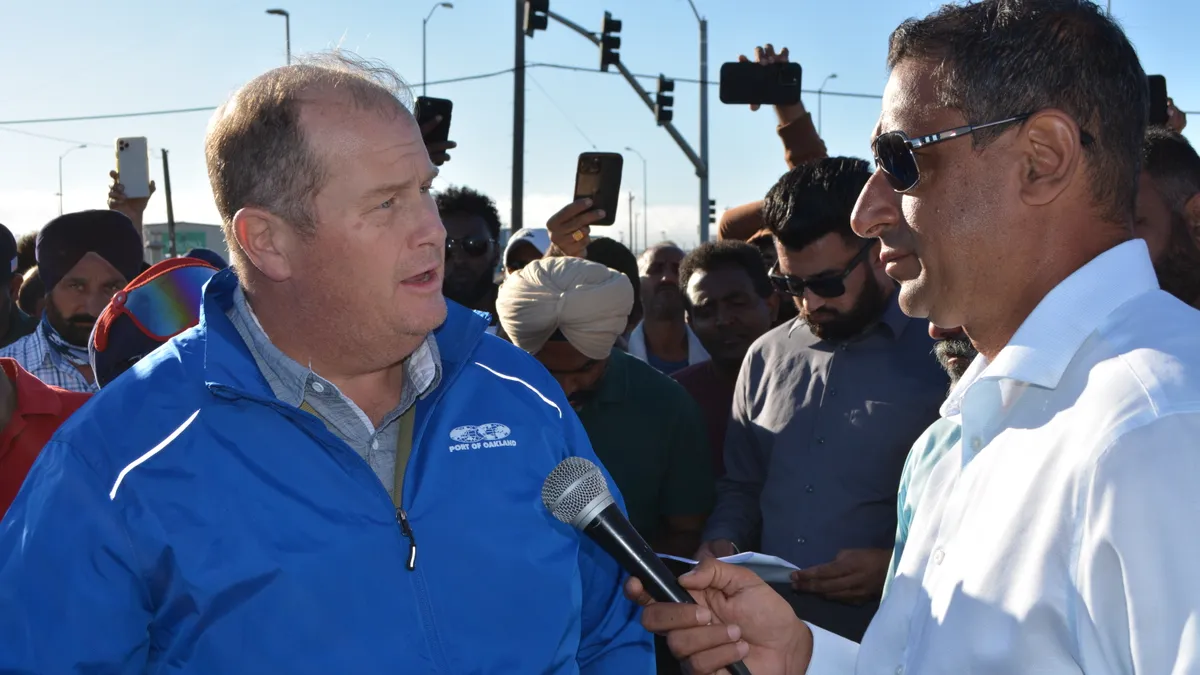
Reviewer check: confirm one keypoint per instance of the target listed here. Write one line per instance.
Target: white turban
(588, 302)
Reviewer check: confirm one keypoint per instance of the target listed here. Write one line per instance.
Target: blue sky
(74, 57)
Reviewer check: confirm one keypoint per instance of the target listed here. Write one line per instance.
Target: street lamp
(60, 187)
(287, 30)
(424, 25)
(831, 76)
(645, 222)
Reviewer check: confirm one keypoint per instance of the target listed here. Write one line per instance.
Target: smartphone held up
(598, 177)
(746, 83)
(133, 166)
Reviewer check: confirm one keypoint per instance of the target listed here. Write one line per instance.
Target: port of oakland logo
(474, 437)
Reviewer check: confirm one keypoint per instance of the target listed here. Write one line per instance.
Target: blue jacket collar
(228, 362)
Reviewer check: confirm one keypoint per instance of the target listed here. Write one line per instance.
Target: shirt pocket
(882, 433)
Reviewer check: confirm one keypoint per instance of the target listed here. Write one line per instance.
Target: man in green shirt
(14, 324)
(647, 430)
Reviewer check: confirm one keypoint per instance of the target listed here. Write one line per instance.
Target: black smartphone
(430, 108)
(747, 83)
(1158, 99)
(598, 177)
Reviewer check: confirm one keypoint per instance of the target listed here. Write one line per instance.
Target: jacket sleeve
(71, 597)
(737, 516)
(613, 640)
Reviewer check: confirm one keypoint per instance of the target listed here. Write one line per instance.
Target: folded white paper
(772, 569)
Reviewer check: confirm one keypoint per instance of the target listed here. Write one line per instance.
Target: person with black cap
(14, 324)
(83, 258)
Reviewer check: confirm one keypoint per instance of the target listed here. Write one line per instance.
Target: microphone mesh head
(572, 486)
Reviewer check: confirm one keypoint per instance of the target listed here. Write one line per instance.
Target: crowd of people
(956, 390)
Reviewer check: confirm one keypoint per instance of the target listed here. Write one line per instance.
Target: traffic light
(663, 100)
(609, 42)
(535, 15)
(712, 210)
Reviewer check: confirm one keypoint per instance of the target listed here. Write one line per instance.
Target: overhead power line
(453, 80)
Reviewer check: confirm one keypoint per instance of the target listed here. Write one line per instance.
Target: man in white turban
(648, 431)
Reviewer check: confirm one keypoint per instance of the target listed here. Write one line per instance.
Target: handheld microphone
(577, 494)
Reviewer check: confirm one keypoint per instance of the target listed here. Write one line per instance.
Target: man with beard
(83, 259)
(826, 408)
(1168, 212)
(663, 339)
(472, 230)
(568, 313)
(730, 304)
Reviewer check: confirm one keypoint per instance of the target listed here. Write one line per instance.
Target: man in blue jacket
(330, 473)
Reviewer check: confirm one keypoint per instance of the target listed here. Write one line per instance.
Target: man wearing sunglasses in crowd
(1059, 535)
(472, 251)
(826, 407)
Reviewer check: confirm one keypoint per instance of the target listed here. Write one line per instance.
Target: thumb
(716, 575)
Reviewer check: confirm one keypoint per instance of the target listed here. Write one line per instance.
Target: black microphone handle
(613, 532)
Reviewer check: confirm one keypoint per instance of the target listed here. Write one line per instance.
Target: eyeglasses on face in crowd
(894, 151)
(472, 246)
(831, 286)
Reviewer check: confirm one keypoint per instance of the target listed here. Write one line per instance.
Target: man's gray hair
(256, 151)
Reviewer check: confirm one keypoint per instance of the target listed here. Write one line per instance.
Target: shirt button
(374, 443)
(938, 556)
(318, 387)
(808, 489)
(833, 392)
(899, 670)
(820, 440)
(976, 443)
(801, 540)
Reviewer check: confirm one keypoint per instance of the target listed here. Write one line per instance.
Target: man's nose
(812, 301)
(97, 302)
(877, 209)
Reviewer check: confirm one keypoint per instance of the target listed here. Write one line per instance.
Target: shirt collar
(34, 397)
(423, 368)
(1047, 341)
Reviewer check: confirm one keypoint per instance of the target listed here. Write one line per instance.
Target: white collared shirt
(637, 345)
(1062, 533)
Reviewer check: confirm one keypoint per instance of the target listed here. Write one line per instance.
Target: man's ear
(1052, 152)
(267, 241)
(1191, 212)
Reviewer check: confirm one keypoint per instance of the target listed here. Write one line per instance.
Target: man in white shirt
(1059, 535)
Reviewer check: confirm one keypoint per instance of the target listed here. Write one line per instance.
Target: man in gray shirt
(826, 408)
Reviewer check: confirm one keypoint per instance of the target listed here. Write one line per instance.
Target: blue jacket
(187, 521)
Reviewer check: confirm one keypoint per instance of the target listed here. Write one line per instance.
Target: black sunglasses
(894, 151)
(832, 286)
(472, 246)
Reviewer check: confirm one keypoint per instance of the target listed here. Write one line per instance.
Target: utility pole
(170, 207)
(518, 151)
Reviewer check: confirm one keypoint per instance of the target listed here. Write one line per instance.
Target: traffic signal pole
(697, 162)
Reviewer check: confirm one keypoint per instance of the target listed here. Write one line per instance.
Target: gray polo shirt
(818, 438)
(294, 384)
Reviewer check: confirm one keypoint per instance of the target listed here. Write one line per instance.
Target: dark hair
(27, 252)
(1173, 165)
(815, 199)
(614, 255)
(724, 254)
(470, 202)
(1001, 58)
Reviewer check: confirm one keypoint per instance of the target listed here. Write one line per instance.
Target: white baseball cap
(538, 236)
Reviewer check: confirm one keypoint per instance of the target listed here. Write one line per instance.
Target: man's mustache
(81, 318)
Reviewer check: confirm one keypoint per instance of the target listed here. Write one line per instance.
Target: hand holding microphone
(576, 493)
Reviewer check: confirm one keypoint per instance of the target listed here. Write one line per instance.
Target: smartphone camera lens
(591, 165)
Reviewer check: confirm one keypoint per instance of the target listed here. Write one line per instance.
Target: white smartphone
(133, 166)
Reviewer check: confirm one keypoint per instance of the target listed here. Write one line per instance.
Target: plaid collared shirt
(35, 355)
